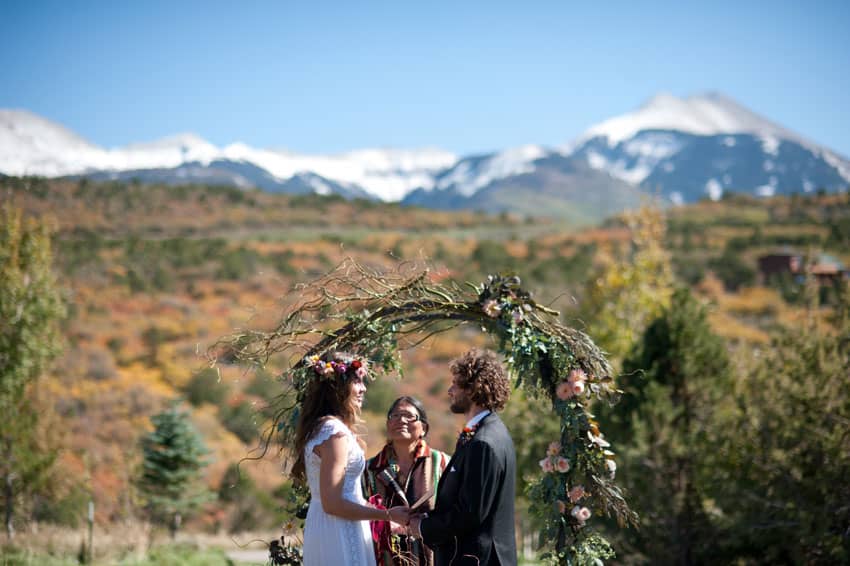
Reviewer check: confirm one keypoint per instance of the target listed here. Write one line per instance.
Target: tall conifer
(172, 465)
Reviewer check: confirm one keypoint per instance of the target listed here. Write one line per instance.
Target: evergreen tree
(31, 307)
(787, 457)
(172, 464)
(674, 380)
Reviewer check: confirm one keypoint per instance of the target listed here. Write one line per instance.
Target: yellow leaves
(753, 301)
(733, 329)
(150, 378)
(632, 287)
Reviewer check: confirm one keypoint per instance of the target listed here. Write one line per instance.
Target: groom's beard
(460, 405)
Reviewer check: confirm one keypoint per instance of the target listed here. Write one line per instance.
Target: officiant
(403, 472)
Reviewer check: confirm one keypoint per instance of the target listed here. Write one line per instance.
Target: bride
(331, 458)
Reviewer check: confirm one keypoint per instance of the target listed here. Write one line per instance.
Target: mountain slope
(553, 185)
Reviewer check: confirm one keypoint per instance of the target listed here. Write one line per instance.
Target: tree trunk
(175, 525)
(9, 497)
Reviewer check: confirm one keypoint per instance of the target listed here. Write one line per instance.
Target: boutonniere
(466, 435)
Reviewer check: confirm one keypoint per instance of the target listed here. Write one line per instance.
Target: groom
(473, 520)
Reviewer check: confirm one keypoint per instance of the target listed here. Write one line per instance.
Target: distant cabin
(826, 269)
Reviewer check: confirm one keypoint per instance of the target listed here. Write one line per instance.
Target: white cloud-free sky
(469, 76)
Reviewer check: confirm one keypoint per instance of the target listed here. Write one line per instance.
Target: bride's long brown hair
(325, 398)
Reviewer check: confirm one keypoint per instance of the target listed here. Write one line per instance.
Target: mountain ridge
(681, 148)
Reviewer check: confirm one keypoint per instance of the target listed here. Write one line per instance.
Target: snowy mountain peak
(33, 145)
(702, 114)
(33, 129)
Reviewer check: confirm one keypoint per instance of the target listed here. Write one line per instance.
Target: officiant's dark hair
(324, 398)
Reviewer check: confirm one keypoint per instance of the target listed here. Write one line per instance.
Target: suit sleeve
(480, 480)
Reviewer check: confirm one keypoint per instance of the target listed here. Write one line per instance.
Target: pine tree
(787, 497)
(674, 381)
(31, 307)
(172, 465)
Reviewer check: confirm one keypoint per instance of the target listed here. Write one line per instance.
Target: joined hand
(400, 515)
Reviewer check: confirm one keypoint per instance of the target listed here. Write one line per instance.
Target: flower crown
(328, 370)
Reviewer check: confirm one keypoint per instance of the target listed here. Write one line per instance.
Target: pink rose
(578, 388)
(564, 390)
(554, 448)
(582, 514)
(361, 372)
(546, 465)
(576, 493)
(491, 308)
(563, 465)
(576, 375)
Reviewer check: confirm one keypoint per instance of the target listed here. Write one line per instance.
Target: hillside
(156, 274)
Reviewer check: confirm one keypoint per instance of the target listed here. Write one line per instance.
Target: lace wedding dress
(331, 540)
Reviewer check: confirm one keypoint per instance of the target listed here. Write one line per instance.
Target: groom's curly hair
(482, 376)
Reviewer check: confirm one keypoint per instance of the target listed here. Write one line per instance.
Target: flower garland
(578, 469)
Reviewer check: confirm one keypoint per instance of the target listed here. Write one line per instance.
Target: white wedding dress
(331, 540)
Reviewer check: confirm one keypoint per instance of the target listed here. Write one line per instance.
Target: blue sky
(466, 76)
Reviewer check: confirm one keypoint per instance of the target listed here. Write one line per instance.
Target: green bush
(251, 507)
(241, 420)
(206, 387)
(732, 270)
(238, 263)
(689, 270)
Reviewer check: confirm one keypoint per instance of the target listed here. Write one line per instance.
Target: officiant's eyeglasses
(404, 417)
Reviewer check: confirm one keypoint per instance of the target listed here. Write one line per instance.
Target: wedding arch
(376, 313)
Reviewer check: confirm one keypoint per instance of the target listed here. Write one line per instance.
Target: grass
(180, 554)
(14, 557)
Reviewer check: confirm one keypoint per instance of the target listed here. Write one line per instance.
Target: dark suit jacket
(473, 520)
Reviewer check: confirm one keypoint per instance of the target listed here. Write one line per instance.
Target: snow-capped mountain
(683, 148)
(705, 115)
(32, 145)
(704, 145)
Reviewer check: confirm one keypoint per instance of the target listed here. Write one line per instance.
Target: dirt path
(245, 557)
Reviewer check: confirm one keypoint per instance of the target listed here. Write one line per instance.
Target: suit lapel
(456, 456)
